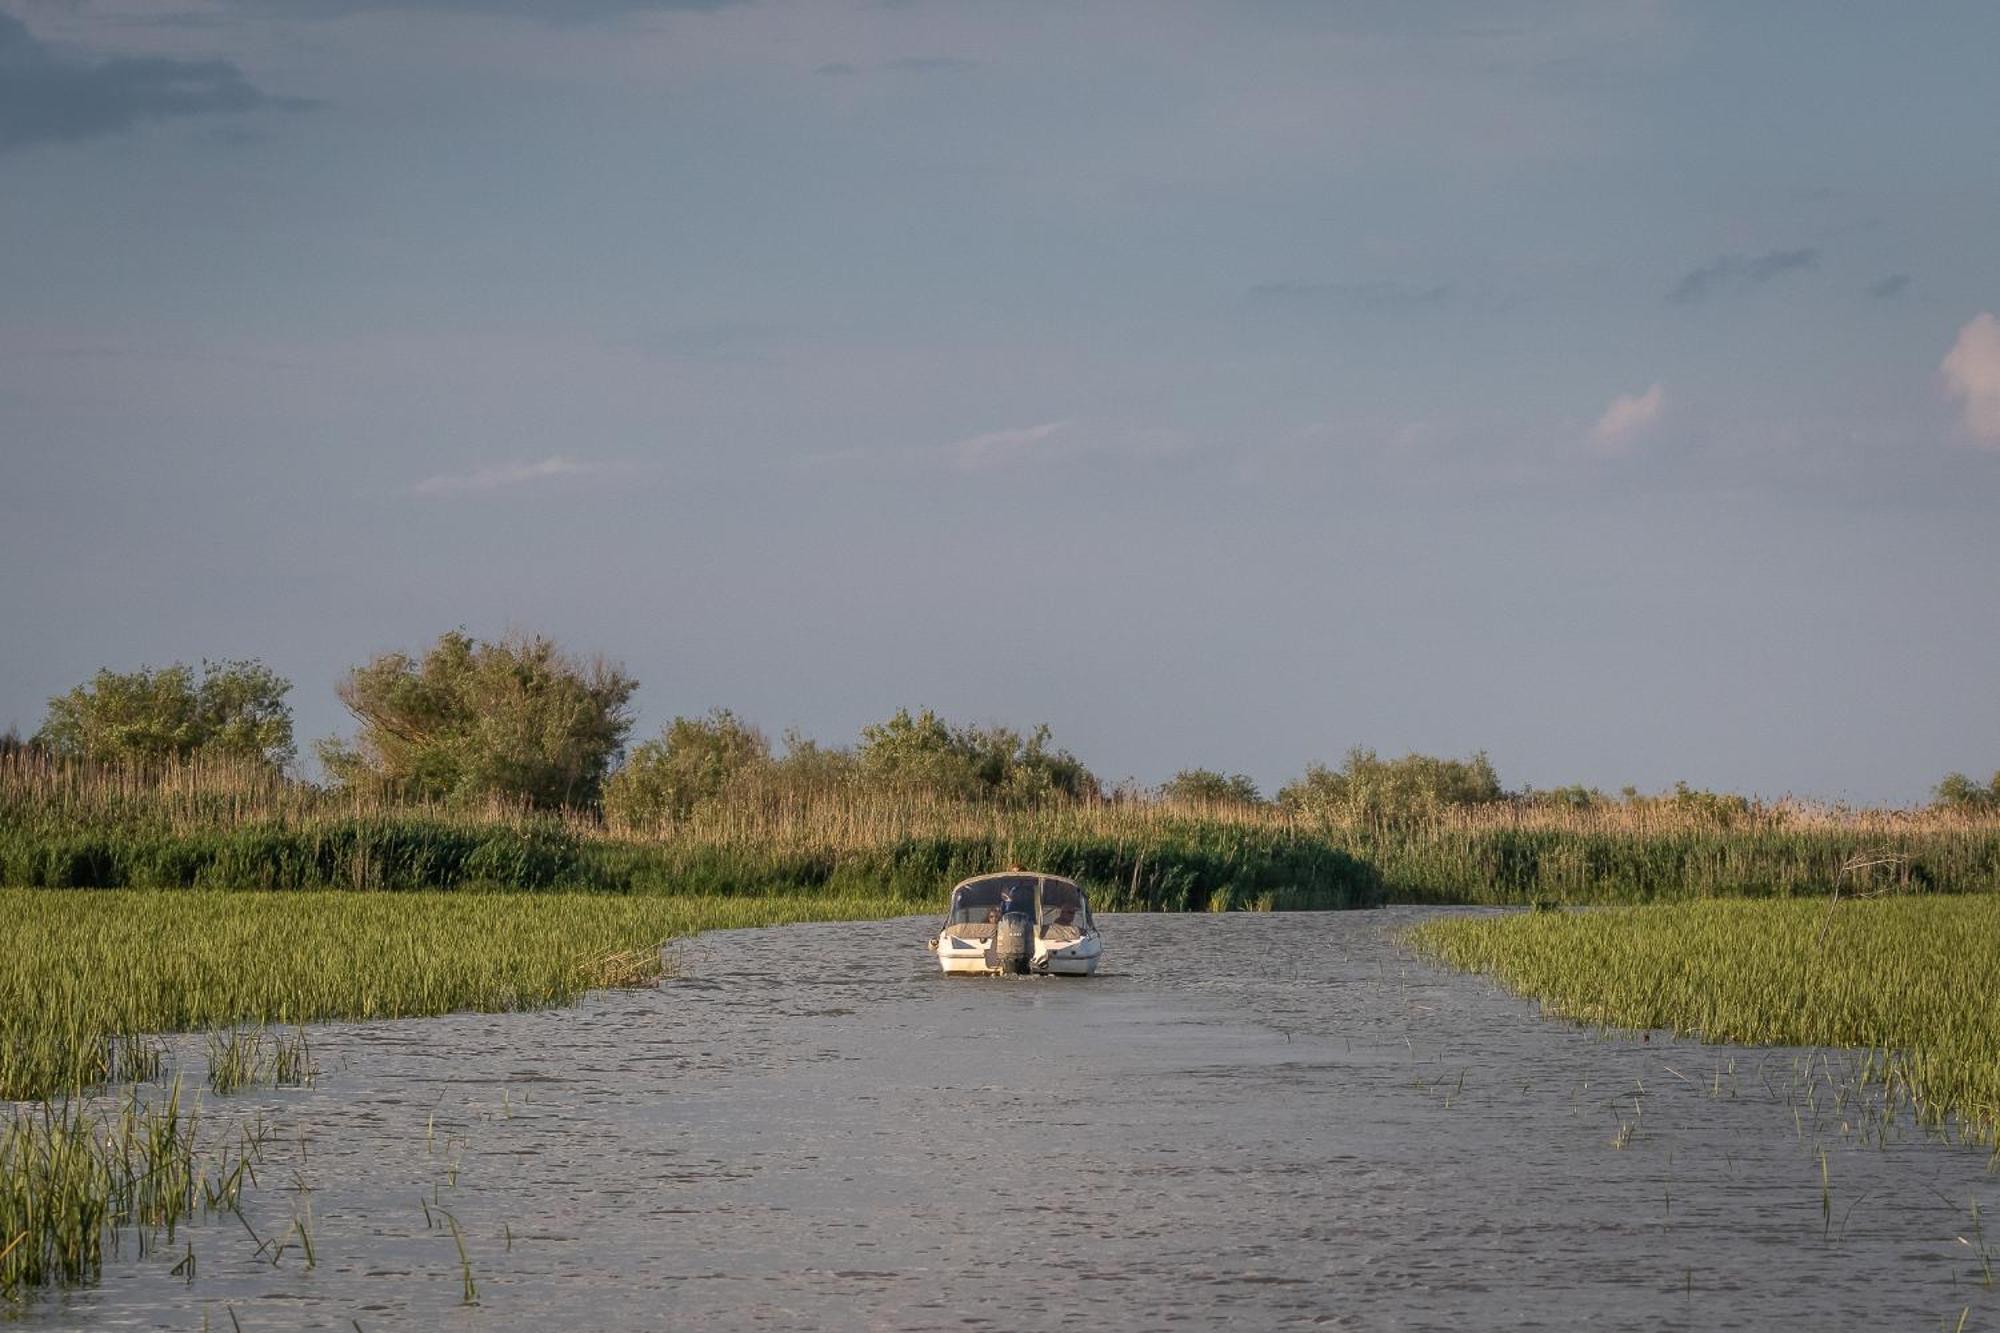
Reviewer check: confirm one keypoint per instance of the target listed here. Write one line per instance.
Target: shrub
(1367, 787)
(1205, 786)
(234, 710)
(692, 761)
(1959, 792)
(517, 719)
(924, 753)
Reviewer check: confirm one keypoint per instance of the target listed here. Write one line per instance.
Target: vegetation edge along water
(88, 974)
(1909, 978)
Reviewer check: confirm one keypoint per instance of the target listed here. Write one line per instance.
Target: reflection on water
(1271, 1120)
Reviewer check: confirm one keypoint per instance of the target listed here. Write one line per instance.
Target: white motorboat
(1019, 921)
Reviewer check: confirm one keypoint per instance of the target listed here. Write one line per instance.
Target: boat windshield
(1061, 903)
(982, 899)
(1053, 901)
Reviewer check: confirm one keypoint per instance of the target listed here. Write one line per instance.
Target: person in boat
(1017, 898)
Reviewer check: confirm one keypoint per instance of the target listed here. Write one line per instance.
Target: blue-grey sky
(1613, 386)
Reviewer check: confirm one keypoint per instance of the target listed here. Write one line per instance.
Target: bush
(1205, 786)
(235, 710)
(517, 720)
(1960, 793)
(693, 760)
(1367, 787)
(924, 753)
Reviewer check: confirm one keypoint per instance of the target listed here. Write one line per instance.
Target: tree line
(518, 719)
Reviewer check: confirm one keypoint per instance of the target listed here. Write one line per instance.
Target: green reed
(1910, 979)
(210, 825)
(74, 1176)
(78, 968)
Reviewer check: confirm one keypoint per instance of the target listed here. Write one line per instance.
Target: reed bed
(1909, 978)
(235, 826)
(81, 971)
(74, 1175)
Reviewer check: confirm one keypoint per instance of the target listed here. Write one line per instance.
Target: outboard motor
(1014, 940)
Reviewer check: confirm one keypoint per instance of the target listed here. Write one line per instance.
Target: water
(1276, 1121)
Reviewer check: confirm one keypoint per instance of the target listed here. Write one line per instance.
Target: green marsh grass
(74, 1175)
(80, 967)
(232, 827)
(1911, 979)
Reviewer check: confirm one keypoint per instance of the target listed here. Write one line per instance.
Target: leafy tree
(1719, 808)
(693, 760)
(234, 709)
(807, 767)
(1575, 796)
(517, 719)
(1367, 786)
(1205, 786)
(1961, 793)
(923, 752)
(916, 753)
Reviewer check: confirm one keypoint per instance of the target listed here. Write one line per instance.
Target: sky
(1611, 386)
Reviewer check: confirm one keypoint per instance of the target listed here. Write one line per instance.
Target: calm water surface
(1274, 1121)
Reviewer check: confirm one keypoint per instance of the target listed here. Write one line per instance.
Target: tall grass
(79, 969)
(1911, 978)
(73, 1174)
(219, 826)
(224, 826)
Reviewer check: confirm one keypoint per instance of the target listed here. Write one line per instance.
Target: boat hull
(1074, 958)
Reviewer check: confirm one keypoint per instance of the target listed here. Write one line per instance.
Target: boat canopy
(1056, 901)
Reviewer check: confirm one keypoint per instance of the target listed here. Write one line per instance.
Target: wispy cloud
(1972, 375)
(48, 97)
(500, 476)
(1629, 416)
(1000, 447)
(1888, 288)
(1737, 272)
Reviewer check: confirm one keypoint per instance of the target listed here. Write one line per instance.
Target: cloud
(46, 97)
(1890, 287)
(1740, 271)
(1972, 374)
(500, 476)
(1628, 417)
(997, 448)
(1375, 295)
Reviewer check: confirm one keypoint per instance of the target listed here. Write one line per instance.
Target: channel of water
(1271, 1120)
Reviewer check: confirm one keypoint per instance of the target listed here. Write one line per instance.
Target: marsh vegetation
(485, 841)
(1910, 979)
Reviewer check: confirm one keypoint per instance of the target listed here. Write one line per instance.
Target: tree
(517, 719)
(1576, 796)
(1961, 793)
(808, 768)
(923, 752)
(1369, 787)
(693, 760)
(1205, 786)
(235, 709)
(916, 753)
